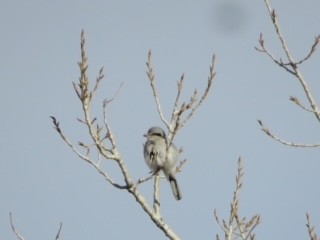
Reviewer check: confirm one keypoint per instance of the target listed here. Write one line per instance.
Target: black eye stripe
(157, 134)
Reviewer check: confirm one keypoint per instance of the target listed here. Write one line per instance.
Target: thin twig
(255, 222)
(59, 231)
(312, 50)
(236, 227)
(263, 49)
(292, 67)
(292, 62)
(18, 235)
(205, 94)
(284, 142)
(176, 102)
(298, 103)
(98, 80)
(151, 77)
(177, 121)
(145, 179)
(215, 212)
(311, 231)
(84, 157)
(100, 133)
(109, 134)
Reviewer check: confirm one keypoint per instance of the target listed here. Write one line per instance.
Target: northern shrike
(158, 158)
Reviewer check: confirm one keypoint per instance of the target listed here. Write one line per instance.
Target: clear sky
(43, 183)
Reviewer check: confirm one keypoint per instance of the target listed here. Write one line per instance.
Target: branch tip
(59, 231)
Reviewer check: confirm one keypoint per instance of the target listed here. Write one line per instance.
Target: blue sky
(43, 183)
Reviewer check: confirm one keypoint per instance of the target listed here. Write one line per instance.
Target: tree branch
(292, 67)
(150, 74)
(311, 232)
(181, 113)
(293, 63)
(109, 150)
(156, 195)
(284, 142)
(298, 103)
(59, 231)
(18, 235)
(236, 226)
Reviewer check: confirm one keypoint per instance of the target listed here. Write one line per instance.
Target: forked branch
(291, 66)
(181, 113)
(103, 141)
(235, 226)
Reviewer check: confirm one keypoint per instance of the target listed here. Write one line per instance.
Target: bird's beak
(145, 135)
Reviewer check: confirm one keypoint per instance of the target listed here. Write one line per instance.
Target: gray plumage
(158, 158)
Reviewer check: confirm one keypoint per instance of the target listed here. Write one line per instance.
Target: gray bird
(158, 158)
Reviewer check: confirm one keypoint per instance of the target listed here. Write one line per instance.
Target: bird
(159, 157)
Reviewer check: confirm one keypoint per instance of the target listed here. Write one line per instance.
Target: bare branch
(297, 102)
(156, 195)
(274, 19)
(263, 49)
(98, 80)
(109, 134)
(145, 179)
(291, 62)
(235, 201)
(86, 147)
(312, 50)
(223, 225)
(85, 157)
(312, 234)
(18, 235)
(151, 77)
(292, 67)
(203, 97)
(177, 119)
(100, 133)
(246, 229)
(59, 231)
(236, 226)
(176, 102)
(107, 101)
(284, 142)
(56, 124)
(85, 94)
(82, 88)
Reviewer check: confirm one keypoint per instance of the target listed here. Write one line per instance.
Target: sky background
(43, 183)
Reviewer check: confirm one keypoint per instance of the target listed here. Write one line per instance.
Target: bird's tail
(175, 187)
